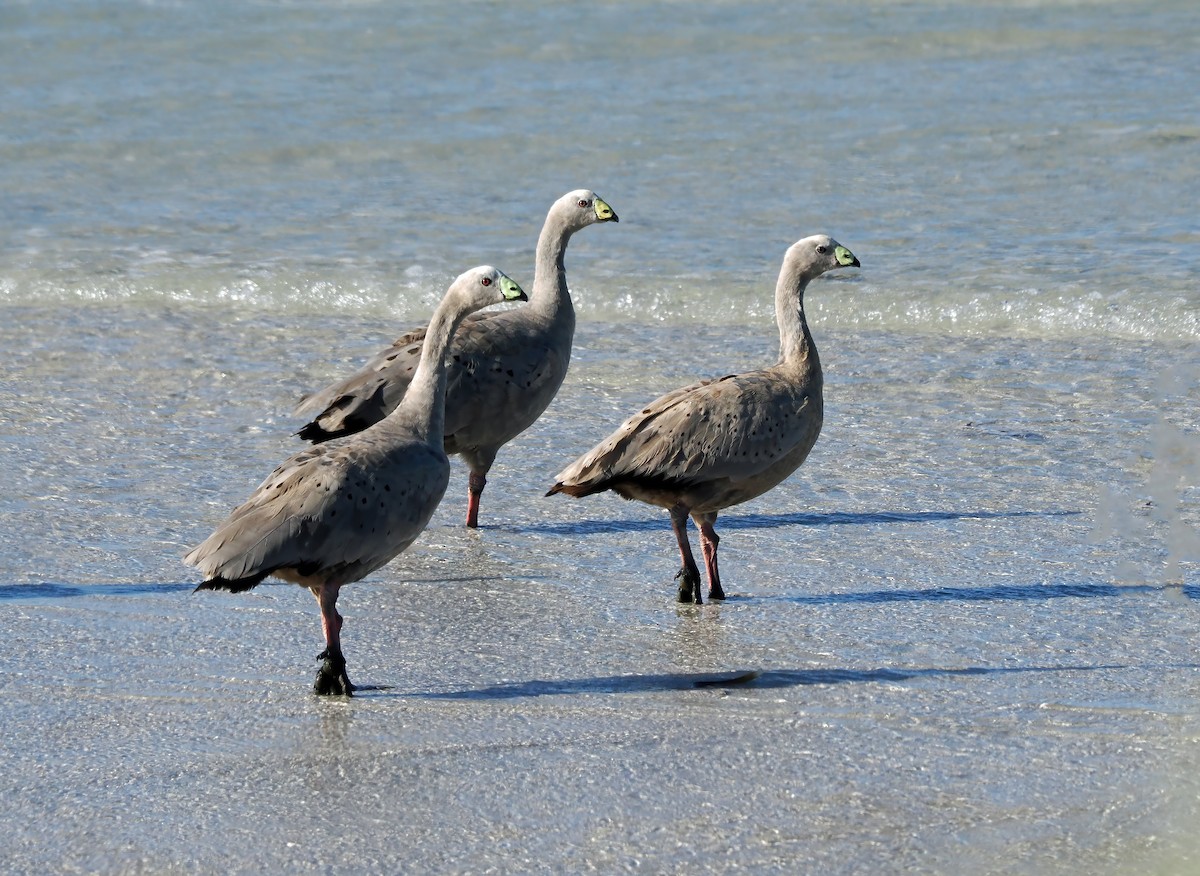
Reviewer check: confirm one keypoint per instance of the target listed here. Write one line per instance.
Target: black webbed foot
(716, 592)
(331, 677)
(689, 586)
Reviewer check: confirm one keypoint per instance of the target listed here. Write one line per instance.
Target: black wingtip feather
(237, 585)
(577, 491)
(314, 433)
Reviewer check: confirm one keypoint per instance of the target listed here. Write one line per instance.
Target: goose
(718, 443)
(505, 369)
(332, 514)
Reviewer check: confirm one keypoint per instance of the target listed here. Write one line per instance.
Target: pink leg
(331, 677)
(689, 575)
(475, 485)
(331, 619)
(708, 544)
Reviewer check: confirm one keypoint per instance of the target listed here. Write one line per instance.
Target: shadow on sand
(778, 678)
(987, 593)
(50, 590)
(771, 521)
(36, 592)
(62, 591)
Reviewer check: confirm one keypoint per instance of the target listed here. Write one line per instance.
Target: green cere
(844, 256)
(604, 212)
(510, 290)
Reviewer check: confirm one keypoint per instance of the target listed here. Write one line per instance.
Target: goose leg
(708, 545)
(479, 462)
(689, 575)
(475, 485)
(331, 677)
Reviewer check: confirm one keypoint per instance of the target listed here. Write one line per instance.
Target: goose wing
(734, 428)
(371, 393)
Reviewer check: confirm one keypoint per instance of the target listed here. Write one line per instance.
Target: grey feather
(335, 513)
(714, 444)
(504, 370)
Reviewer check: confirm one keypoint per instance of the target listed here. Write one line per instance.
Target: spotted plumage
(333, 514)
(505, 367)
(703, 448)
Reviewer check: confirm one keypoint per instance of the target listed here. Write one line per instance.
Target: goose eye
(487, 281)
(821, 248)
(583, 202)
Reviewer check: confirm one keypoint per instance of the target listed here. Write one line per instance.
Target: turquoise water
(1009, 170)
(972, 610)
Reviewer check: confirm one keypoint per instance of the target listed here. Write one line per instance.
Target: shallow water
(971, 614)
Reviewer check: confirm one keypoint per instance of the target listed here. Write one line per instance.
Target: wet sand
(518, 723)
(956, 642)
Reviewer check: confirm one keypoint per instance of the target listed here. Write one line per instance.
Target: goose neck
(424, 404)
(550, 273)
(796, 345)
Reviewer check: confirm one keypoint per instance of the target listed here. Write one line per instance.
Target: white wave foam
(846, 303)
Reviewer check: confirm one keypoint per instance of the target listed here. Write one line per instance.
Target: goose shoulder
(388, 373)
(499, 386)
(501, 372)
